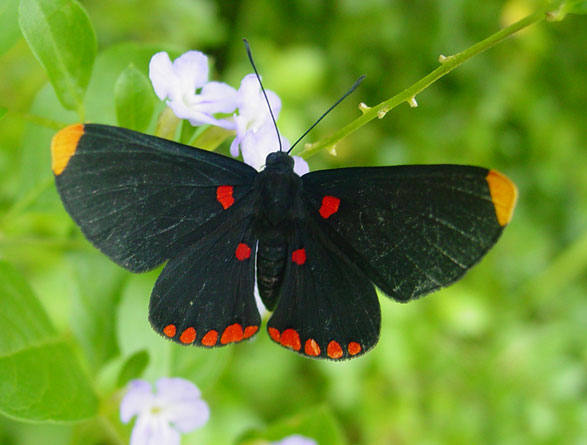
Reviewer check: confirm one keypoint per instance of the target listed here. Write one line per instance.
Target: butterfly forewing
(412, 229)
(140, 198)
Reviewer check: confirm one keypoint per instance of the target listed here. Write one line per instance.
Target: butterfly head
(279, 161)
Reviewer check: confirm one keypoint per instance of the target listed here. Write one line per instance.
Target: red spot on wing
(242, 252)
(291, 339)
(329, 206)
(312, 348)
(354, 348)
(250, 331)
(274, 334)
(232, 333)
(170, 330)
(299, 256)
(210, 338)
(224, 195)
(334, 350)
(188, 336)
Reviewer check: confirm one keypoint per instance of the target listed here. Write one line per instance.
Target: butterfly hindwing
(412, 229)
(205, 295)
(328, 308)
(140, 198)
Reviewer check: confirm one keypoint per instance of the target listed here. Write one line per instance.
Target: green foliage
(317, 423)
(134, 99)
(41, 378)
(62, 38)
(497, 358)
(9, 30)
(133, 368)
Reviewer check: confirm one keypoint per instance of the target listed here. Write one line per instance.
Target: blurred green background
(500, 357)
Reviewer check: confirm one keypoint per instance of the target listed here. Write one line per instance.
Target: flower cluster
(183, 84)
(175, 408)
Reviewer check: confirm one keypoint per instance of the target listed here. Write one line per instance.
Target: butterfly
(318, 244)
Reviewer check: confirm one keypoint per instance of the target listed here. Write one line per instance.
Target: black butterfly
(320, 241)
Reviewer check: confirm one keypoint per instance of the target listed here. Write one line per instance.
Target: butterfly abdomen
(270, 270)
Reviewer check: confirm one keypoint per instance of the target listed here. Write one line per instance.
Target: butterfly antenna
(353, 88)
(263, 90)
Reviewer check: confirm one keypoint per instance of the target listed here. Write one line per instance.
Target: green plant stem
(448, 64)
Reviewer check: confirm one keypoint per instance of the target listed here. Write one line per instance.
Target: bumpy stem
(409, 94)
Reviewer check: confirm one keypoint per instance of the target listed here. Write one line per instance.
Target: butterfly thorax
(277, 189)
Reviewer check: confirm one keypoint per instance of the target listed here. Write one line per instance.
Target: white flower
(255, 131)
(177, 83)
(175, 408)
(253, 119)
(296, 439)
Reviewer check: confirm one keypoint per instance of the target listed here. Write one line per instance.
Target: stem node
(381, 113)
(363, 107)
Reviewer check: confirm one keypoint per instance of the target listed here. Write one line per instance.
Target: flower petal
(256, 145)
(137, 398)
(188, 416)
(180, 399)
(161, 75)
(153, 430)
(301, 167)
(252, 107)
(218, 97)
(197, 118)
(296, 439)
(191, 69)
(176, 389)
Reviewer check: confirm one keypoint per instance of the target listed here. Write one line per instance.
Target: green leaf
(23, 320)
(577, 7)
(133, 368)
(3, 111)
(134, 99)
(187, 132)
(317, 423)
(212, 137)
(40, 376)
(134, 331)
(99, 283)
(61, 36)
(9, 30)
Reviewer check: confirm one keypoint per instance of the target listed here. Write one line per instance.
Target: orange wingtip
(504, 195)
(63, 146)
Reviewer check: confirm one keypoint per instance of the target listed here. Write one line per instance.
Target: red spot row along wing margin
(231, 334)
(290, 338)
